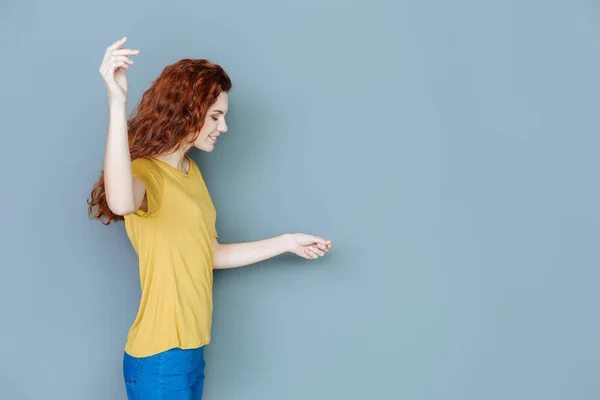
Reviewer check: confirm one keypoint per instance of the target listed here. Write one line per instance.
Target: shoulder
(145, 168)
(142, 163)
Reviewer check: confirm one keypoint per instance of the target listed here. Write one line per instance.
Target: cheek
(207, 129)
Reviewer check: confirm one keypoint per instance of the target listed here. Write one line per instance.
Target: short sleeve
(215, 235)
(145, 170)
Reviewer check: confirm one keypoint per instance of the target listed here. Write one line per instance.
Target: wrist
(287, 242)
(117, 103)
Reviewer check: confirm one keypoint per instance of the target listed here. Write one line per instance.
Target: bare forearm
(117, 162)
(241, 254)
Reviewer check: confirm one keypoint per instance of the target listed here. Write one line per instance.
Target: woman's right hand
(113, 68)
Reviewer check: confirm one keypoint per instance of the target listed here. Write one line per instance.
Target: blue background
(448, 149)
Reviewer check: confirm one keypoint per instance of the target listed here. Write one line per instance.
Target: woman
(151, 183)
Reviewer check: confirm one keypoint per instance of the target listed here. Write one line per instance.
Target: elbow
(119, 196)
(120, 208)
(122, 211)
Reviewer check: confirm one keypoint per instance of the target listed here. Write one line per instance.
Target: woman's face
(214, 124)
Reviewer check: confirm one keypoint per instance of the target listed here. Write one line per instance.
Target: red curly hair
(170, 114)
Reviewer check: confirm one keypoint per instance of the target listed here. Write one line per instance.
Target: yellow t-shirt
(173, 241)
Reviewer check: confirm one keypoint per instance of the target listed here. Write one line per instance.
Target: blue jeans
(174, 374)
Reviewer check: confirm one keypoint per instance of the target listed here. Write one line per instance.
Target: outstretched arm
(241, 254)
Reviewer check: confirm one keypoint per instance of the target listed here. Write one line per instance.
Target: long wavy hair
(170, 115)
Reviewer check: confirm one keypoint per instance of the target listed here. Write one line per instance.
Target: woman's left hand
(308, 246)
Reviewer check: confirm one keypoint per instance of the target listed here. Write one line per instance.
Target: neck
(175, 159)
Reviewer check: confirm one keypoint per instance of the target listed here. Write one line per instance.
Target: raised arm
(124, 194)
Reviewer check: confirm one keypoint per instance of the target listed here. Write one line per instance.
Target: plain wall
(448, 149)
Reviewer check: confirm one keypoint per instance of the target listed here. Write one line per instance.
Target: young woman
(151, 183)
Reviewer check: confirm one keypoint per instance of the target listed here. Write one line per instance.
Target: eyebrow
(218, 111)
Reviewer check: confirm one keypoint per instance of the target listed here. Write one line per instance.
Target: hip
(172, 374)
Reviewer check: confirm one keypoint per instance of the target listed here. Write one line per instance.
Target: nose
(223, 126)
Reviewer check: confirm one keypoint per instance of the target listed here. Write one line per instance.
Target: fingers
(116, 45)
(322, 241)
(316, 251)
(310, 254)
(112, 63)
(109, 67)
(119, 64)
(322, 247)
(115, 58)
(319, 248)
(125, 52)
(121, 58)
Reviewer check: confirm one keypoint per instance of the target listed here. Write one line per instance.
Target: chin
(205, 147)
